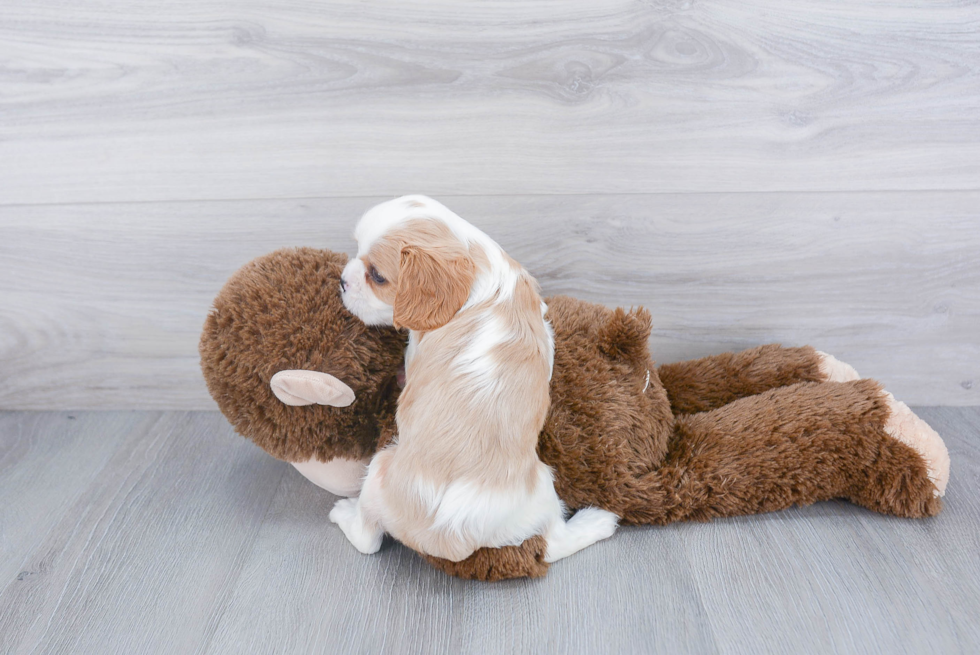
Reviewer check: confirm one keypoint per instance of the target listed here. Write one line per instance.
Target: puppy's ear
(432, 286)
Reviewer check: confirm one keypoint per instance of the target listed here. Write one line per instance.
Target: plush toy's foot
(835, 370)
(365, 536)
(588, 526)
(903, 425)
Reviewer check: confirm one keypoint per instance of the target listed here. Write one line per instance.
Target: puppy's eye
(373, 272)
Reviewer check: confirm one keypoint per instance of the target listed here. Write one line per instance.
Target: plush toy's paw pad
(903, 425)
(835, 370)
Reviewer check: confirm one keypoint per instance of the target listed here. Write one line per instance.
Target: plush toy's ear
(299, 387)
(433, 283)
(625, 335)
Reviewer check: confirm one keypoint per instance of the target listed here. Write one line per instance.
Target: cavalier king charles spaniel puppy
(463, 472)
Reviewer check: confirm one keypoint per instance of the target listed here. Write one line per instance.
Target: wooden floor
(142, 532)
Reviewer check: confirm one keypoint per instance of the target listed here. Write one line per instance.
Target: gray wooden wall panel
(804, 172)
(106, 100)
(103, 304)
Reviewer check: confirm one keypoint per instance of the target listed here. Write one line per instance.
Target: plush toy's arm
(711, 382)
(340, 476)
(794, 446)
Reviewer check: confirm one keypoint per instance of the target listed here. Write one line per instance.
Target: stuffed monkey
(732, 434)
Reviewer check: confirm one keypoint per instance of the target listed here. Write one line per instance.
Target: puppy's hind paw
(594, 523)
(588, 526)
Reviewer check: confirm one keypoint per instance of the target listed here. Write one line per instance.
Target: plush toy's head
(283, 312)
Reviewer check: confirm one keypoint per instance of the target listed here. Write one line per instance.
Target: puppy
(463, 472)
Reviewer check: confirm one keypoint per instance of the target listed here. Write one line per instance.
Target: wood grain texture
(103, 304)
(117, 101)
(191, 540)
(36, 451)
(148, 547)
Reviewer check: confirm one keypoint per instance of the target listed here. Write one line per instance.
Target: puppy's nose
(343, 285)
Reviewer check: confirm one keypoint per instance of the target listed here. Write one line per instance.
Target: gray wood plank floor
(143, 532)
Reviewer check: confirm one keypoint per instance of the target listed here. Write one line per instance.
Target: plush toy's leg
(794, 446)
(711, 382)
(904, 426)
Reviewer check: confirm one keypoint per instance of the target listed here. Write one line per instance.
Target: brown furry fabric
(794, 445)
(732, 434)
(603, 430)
(495, 564)
(712, 382)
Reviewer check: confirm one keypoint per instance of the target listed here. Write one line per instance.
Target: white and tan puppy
(464, 472)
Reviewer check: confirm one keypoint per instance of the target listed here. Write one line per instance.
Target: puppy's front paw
(597, 524)
(343, 512)
(366, 537)
(835, 370)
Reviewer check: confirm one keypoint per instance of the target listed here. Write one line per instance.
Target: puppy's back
(469, 419)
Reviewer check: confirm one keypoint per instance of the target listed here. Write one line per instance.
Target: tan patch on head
(428, 273)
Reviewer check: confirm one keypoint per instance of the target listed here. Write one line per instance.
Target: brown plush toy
(739, 433)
